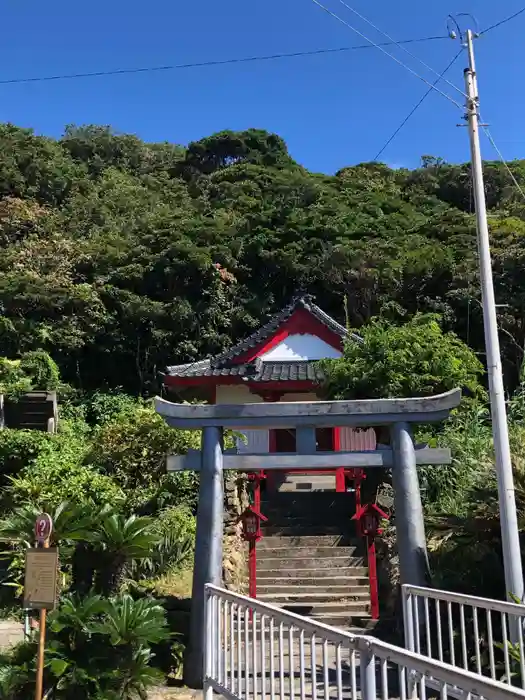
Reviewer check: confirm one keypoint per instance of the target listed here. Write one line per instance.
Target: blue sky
(333, 110)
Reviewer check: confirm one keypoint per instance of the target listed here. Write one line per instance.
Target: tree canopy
(110, 248)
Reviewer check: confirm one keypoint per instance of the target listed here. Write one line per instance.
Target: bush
(34, 370)
(47, 485)
(96, 650)
(415, 359)
(41, 370)
(18, 449)
(132, 449)
(48, 469)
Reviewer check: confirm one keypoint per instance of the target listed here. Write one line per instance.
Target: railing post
(208, 550)
(367, 671)
(408, 619)
(208, 647)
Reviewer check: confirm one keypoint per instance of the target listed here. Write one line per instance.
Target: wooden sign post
(40, 586)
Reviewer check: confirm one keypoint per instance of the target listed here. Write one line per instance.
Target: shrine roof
(269, 328)
(257, 371)
(227, 364)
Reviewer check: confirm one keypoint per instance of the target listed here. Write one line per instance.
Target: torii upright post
(208, 547)
(410, 525)
(304, 417)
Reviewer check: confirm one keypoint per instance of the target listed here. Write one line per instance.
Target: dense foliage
(120, 533)
(413, 359)
(110, 248)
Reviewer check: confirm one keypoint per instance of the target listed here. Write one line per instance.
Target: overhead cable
(417, 106)
(409, 53)
(378, 46)
(205, 64)
(503, 21)
(512, 176)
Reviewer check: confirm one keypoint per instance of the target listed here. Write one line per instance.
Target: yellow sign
(40, 585)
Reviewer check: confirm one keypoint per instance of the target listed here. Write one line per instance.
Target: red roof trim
(200, 381)
(255, 387)
(300, 322)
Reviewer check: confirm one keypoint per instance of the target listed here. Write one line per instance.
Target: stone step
(334, 562)
(334, 574)
(310, 530)
(360, 624)
(310, 598)
(311, 608)
(341, 525)
(274, 541)
(314, 592)
(302, 504)
(306, 582)
(345, 620)
(291, 552)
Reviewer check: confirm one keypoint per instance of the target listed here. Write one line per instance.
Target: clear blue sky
(333, 110)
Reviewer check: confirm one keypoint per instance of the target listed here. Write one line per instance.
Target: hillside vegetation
(110, 248)
(120, 257)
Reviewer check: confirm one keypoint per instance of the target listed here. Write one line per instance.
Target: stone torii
(402, 456)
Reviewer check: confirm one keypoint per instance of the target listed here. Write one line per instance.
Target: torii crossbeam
(403, 456)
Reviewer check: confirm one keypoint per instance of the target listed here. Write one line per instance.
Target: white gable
(301, 347)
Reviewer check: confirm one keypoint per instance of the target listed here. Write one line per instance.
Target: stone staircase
(310, 560)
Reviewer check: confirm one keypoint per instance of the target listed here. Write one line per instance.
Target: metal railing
(477, 634)
(256, 651)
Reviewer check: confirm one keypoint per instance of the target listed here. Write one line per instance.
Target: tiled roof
(259, 371)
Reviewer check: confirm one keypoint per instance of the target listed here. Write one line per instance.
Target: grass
(176, 584)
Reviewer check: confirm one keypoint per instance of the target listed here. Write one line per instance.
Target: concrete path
(11, 632)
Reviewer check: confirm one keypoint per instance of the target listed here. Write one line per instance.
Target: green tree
(413, 359)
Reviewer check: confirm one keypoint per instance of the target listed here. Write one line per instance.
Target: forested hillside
(110, 247)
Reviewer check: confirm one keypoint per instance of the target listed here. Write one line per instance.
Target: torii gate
(403, 456)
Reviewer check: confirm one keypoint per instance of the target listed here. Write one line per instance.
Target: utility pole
(507, 502)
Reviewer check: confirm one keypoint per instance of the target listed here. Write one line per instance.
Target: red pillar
(357, 486)
(372, 578)
(252, 569)
(340, 480)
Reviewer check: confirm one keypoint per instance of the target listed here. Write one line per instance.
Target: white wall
(301, 347)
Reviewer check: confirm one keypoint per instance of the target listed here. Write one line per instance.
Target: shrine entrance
(401, 455)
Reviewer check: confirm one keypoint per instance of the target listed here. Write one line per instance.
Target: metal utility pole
(507, 502)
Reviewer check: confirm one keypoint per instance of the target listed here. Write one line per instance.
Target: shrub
(414, 359)
(133, 450)
(96, 649)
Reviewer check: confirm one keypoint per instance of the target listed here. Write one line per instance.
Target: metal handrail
(247, 643)
(480, 633)
(502, 606)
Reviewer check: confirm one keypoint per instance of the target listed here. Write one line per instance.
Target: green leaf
(58, 666)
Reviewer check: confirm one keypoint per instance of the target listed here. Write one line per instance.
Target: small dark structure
(35, 410)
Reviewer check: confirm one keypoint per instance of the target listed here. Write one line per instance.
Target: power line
(378, 46)
(206, 64)
(503, 21)
(418, 105)
(409, 53)
(513, 178)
